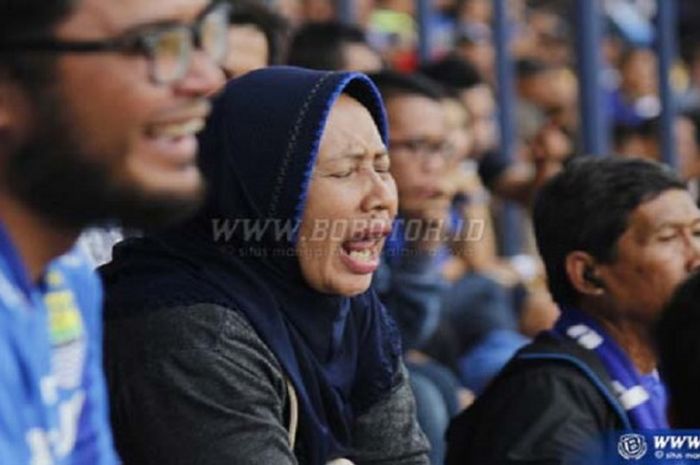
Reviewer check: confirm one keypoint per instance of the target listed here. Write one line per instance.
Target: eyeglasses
(425, 149)
(168, 47)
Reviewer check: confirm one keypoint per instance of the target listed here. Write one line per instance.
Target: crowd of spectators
(469, 307)
(491, 308)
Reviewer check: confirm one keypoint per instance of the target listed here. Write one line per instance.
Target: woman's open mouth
(361, 253)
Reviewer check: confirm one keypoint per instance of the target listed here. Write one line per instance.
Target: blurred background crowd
(481, 293)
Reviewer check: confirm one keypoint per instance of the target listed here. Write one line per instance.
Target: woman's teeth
(362, 255)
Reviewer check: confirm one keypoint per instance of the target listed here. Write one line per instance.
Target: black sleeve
(542, 416)
(195, 386)
(388, 434)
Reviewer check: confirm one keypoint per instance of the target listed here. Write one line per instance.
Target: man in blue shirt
(99, 106)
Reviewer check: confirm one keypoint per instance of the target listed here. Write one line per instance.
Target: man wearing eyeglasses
(420, 160)
(421, 154)
(408, 281)
(99, 105)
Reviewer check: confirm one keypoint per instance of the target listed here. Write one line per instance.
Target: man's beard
(52, 175)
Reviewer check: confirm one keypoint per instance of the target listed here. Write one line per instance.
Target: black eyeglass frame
(424, 149)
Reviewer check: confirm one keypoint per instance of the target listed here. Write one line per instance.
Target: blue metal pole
(511, 218)
(346, 11)
(588, 50)
(666, 22)
(505, 78)
(423, 15)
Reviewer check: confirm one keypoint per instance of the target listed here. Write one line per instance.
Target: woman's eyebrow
(356, 152)
(347, 154)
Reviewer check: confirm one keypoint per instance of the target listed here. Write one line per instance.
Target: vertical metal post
(511, 224)
(590, 64)
(505, 77)
(424, 15)
(346, 10)
(666, 23)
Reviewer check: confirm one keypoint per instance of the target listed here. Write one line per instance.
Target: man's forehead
(669, 208)
(92, 17)
(417, 113)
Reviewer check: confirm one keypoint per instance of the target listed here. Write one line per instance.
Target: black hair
(392, 84)
(31, 18)
(587, 206)
(629, 53)
(678, 347)
(21, 19)
(472, 34)
(693, 114)
(454, 72)
(320, 45)
(526, 68)
(647, 128)
(272, 25)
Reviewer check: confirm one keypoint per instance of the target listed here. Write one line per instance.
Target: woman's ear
(581, 271)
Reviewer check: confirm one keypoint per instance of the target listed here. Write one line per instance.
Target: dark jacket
(196, 385)
(550, 405)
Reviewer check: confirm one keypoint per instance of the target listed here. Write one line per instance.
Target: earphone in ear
(589, 276)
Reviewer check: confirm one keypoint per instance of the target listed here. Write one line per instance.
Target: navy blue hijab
(257, 154)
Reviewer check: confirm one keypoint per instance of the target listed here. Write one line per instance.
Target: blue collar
(645, 410)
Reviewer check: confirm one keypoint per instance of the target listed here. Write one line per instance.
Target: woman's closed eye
(347, 168)
(340, 174)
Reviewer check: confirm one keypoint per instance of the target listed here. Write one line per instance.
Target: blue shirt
(53, 401)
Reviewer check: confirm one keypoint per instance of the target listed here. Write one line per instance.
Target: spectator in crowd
(617, 237)
(333, 46)
(291, 10)
(642, 140)
(271, 342)
(85, 138)
(255, 38)
(679, 353)
(546, 86)
(637, 97)
(460, 76)
(474, 43)
(689, 98)
(254, 41)
(420, 153)
(550, 36)
(688, 150)
(516, 181)
(393, 30)
(637, 140)
(475, 11)
(416, 307)
(409, 280)
(317, 10)
(479, 322)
